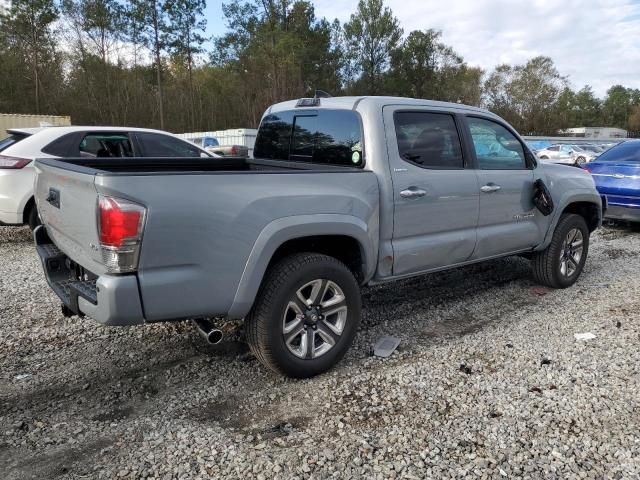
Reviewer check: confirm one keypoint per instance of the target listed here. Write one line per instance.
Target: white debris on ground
(489, 382)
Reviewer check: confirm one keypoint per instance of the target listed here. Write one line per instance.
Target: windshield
(11, 140)
(623, 152)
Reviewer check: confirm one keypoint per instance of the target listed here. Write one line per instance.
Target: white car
(567, 154)
(23, 145)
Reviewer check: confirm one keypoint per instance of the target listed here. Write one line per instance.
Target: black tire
(580, 161)
(32, 217)
(548, 264)
(265, 323)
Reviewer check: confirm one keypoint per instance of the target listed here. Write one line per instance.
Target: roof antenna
(322, 94)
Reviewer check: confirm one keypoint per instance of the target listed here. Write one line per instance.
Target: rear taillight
(587, 168)
(13, 162)
(120, 227)
(234, 150)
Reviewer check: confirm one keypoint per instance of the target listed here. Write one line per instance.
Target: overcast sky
(594, 42)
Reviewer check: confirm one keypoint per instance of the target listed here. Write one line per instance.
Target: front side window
(102, 145)
(496, 147)
(330, 137)
(159, 145)
(553, 149)
(428, 140)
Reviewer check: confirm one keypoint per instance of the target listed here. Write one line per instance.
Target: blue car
(617, 176)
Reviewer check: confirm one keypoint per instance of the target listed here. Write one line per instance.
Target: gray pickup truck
(342, 193)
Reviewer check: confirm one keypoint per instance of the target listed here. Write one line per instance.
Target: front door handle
(490, 187)
(413, 192)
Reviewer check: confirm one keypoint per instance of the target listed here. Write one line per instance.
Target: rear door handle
(413, 192)
(490, 187)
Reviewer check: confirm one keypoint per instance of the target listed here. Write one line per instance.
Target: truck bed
(208, 223)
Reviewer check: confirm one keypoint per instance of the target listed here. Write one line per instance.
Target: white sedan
(23, 145)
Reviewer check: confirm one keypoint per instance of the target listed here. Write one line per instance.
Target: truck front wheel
(560, 264)
(305, 316)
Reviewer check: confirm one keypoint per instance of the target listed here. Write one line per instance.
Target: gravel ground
(489, 382)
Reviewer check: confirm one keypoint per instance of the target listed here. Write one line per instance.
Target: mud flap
(542, 198)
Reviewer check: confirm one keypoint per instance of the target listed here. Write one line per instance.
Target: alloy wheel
(314, 319)
(571, 252)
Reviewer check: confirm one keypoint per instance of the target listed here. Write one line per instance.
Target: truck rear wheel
(561, 263)
(305, 316)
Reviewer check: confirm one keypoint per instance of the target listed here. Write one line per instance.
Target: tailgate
(67, 202)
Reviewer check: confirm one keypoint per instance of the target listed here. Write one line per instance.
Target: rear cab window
(322, 136)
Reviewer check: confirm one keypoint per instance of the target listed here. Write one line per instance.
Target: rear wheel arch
(343, 237)
(345, 248)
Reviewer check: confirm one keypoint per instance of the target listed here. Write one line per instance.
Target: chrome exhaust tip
(211, 334)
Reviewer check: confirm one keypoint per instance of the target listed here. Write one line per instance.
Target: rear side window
(428, 140)
(158, 145)
(65, 146)
(11, 140)
(332, 137)
(105, 145)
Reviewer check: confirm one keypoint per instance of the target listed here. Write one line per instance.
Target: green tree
(27, 27)
(424, 67)
(526, 95)
(634, 121)
(370, 36)
(276, 51)
(184, 38)
(617, 105)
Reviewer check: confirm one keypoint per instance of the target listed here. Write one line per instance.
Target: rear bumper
(108, 299)
(617, 212)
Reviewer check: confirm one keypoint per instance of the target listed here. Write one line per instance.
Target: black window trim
(529, 157)
(466, 163)
(310, 112)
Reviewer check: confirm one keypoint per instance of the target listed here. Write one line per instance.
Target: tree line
(149, 63)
